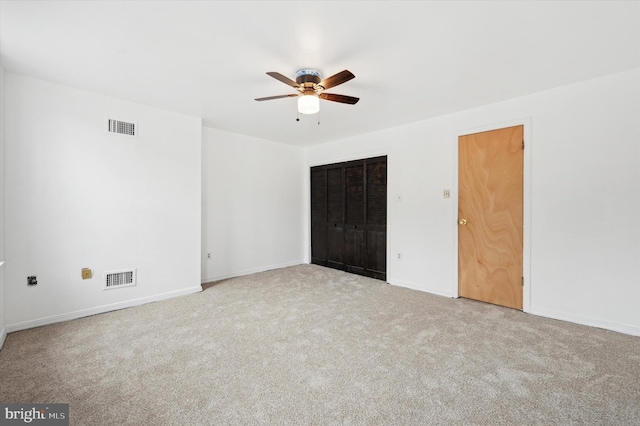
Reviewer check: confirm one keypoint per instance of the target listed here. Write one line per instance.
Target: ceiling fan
(311, 89)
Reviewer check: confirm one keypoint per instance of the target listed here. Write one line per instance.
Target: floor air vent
(118, 279)
(121, 127)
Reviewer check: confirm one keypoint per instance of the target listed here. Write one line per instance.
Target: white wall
(76, 196)
(419, 167)
(3, 331)
(252, 205)
(583, 191)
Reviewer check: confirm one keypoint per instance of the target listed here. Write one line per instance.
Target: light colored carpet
(311, 345)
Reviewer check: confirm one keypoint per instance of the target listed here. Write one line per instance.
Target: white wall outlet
(208, 255)
(399, 255)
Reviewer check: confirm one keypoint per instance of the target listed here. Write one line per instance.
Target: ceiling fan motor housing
(308, 78)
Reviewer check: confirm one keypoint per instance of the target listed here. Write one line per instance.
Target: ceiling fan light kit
(311, 89)
(308, 104)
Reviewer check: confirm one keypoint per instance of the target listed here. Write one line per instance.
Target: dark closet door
(349, 216)
(335, 217)
(354, 244)
(377, 218)
(319, 216)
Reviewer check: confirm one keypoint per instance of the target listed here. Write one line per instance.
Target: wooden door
(490, 216)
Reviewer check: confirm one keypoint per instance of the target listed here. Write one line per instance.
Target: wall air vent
(121, 127)
(119, 279)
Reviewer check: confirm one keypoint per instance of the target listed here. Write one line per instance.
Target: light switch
(446, 193)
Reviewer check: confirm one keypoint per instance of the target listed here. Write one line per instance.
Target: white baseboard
(548, 313)
(592, 322)
(3, 337)
(250, 271)
(99, 309)
(421, 287)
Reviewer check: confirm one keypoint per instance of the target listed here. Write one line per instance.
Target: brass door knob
(462, 222)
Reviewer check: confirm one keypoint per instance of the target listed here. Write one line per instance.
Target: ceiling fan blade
(336, 79)
(339, 98)
(284, 79)
(268, 98)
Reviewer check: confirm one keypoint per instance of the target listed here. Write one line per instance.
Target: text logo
(34, 414)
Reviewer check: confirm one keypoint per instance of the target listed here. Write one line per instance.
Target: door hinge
(523, 144)
(522, 281)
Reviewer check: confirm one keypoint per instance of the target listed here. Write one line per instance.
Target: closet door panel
(335, 247)
(377, 253)
(354, 250)
(335, 217)
(355, 217)
(377, 193)
(376, 243)
(335, 196)
(355, 193)
(319, 216)
(319, 243)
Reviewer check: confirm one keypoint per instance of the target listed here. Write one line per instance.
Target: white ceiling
(412, 60)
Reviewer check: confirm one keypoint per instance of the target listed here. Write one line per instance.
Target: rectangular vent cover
(122, 127)
(118, 279)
